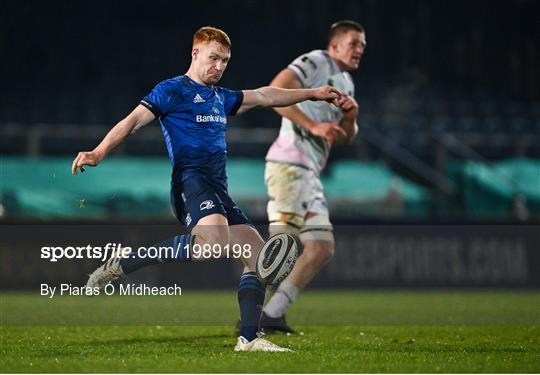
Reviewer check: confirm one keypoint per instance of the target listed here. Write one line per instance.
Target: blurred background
(449, 127)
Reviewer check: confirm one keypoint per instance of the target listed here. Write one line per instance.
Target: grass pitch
(345, 331)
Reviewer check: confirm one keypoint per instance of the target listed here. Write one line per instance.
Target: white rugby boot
(260, 344)
(105, 274)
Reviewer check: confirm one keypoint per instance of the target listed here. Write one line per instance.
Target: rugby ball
(276, 259)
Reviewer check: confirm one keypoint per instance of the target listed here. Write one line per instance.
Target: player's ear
(337, 45)
(194, 53)
(331, 45)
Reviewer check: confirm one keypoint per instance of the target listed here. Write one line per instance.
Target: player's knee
(327, 252)
(317, 235)
(213, 236)
(318, 253)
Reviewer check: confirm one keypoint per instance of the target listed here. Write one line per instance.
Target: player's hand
(328, 130)
(327, 93)
(84, 158)
(348, 106)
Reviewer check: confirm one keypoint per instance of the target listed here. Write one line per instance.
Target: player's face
(211, 61)
(349, 48)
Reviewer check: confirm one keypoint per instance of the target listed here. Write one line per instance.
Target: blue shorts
(198, 197)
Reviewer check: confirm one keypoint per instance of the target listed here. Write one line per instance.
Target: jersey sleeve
(232, 100)
(160, 100)
(308, 68)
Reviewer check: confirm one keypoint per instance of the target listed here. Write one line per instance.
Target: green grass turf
(345, 331)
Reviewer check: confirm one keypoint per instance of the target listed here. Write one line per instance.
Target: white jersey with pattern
(295, 145)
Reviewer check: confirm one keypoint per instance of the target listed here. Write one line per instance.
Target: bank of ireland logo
(206, 205)
(215, 110)
(188, 219)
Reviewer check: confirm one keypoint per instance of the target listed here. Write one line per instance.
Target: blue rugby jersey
(193, 120)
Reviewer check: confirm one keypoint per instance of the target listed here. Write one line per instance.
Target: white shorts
(296, 191)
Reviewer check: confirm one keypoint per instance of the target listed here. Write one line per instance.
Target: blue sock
(251, 299)
(179, 244)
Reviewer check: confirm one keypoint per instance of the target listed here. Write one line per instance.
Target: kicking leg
(211, 229)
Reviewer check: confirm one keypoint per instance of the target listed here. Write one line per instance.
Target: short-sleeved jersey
(295, 145)
(193, 120)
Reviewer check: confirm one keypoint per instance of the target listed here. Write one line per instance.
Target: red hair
(208, 34)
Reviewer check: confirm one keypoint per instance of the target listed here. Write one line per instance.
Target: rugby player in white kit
(296, 158)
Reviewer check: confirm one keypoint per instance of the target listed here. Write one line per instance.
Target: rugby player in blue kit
(193, 114)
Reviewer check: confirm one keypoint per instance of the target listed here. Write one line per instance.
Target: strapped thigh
(317, 228)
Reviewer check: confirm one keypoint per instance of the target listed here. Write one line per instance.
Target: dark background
(440, 82)
(64, 59)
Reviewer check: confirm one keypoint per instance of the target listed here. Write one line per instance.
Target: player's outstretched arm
(129, 125)
(277, 97)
